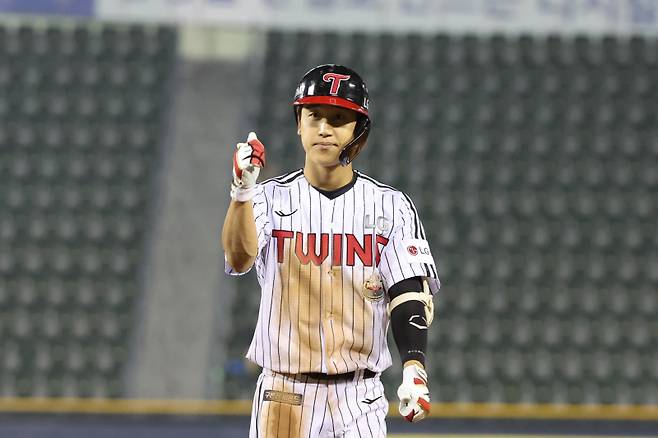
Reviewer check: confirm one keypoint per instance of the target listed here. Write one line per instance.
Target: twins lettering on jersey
(343, 247)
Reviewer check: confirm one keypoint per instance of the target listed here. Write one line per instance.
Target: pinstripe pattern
(315, 255)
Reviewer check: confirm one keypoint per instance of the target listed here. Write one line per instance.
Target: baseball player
(338, 255)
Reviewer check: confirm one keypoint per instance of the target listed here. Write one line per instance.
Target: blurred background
(526, 131)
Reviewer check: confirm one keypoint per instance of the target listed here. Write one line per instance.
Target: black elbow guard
(409, 318)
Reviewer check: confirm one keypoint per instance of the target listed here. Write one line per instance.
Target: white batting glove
(413, 393)
(248, 159)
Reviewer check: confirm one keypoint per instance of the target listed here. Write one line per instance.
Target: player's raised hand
(413, 393)
(248, 159)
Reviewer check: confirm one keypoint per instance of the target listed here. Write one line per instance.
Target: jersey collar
(333, 194)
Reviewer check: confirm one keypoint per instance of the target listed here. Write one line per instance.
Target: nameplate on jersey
(417, 251)
(288, 398)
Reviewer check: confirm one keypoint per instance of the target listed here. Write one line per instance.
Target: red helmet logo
(335, 80)
(412, 250)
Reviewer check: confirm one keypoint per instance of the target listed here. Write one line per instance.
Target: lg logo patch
(414, 250)
(417, 251)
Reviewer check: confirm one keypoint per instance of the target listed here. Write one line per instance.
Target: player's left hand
(413, 393)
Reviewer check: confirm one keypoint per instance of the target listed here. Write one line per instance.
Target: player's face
(324, 131)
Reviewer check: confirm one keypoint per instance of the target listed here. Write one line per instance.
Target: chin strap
(353, 148)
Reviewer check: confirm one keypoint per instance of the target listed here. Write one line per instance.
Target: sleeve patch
(417, 251)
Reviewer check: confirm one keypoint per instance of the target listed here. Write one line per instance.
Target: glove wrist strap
(414, 363)
(241, 194)
(412, 372)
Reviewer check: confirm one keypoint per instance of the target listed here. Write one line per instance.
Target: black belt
(367, 374)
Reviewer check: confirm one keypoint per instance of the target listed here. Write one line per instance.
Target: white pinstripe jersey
(315, 255)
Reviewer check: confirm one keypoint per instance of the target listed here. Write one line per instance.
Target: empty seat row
(62, 383)
(96, 198)
(23, 232)
(63, 169)
(565, 270)
(80, 326)
(557, 393)
(516, 304)
(109, 41)
(61, 298)
(29, 75)
(84, 261)
(432, 49)
(557, 332)
(37, 106)
(44, 137)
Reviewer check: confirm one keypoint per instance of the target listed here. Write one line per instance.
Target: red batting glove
(248, 159)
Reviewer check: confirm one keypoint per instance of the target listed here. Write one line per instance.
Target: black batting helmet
(336, 85)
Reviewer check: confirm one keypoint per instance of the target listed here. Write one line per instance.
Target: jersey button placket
(334, 270)
(331, 277)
